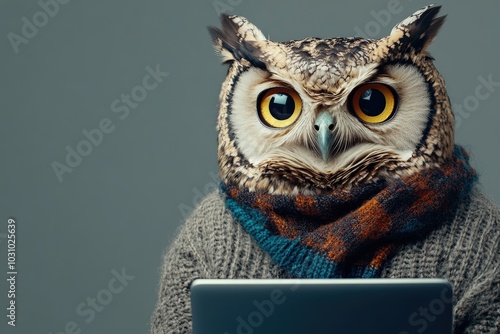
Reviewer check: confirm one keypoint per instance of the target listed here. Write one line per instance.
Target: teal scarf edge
(302, 261)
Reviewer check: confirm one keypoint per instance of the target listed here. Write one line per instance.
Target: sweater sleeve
(477, 309)
(208, 245)
(483, 303)
(184, 261)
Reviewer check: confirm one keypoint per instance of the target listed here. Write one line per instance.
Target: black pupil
(281, 106)
(372, 102)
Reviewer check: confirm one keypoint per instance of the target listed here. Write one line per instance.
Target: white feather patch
(398, 136)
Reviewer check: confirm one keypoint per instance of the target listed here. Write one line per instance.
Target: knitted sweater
(211, 244)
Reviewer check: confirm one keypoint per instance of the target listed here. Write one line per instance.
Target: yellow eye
(374, 102)
(279, 107)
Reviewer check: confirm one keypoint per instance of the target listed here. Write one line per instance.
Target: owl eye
(279, 107)
(374, 102)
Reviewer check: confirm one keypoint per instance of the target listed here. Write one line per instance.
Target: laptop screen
(400, 306)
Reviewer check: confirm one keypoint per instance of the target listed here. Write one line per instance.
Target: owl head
(315, 115)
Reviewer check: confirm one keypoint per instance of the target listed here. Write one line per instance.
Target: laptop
(321, 306)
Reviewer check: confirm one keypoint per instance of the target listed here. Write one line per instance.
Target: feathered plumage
(328, 75)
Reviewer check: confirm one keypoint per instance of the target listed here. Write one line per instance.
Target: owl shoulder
(482, 212)
(475, 236)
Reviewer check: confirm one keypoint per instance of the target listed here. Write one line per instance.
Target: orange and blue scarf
(351, 233)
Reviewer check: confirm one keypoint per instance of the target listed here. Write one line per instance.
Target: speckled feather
(326, 69)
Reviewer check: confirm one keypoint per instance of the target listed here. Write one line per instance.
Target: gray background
(121, 206)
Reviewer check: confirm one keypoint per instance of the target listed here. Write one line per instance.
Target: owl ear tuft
(237, 39)
(418, 30)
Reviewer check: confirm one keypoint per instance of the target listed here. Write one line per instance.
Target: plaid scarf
(351, 233)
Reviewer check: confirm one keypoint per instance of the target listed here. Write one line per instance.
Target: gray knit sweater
(211, 244)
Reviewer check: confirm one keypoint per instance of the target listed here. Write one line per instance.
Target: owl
(337, 160)
(314, 115)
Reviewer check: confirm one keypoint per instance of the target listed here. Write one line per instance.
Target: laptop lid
(293, 306)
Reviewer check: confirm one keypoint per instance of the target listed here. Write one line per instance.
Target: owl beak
(324, 128)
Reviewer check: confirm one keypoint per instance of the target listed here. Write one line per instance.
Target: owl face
(314, 115)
